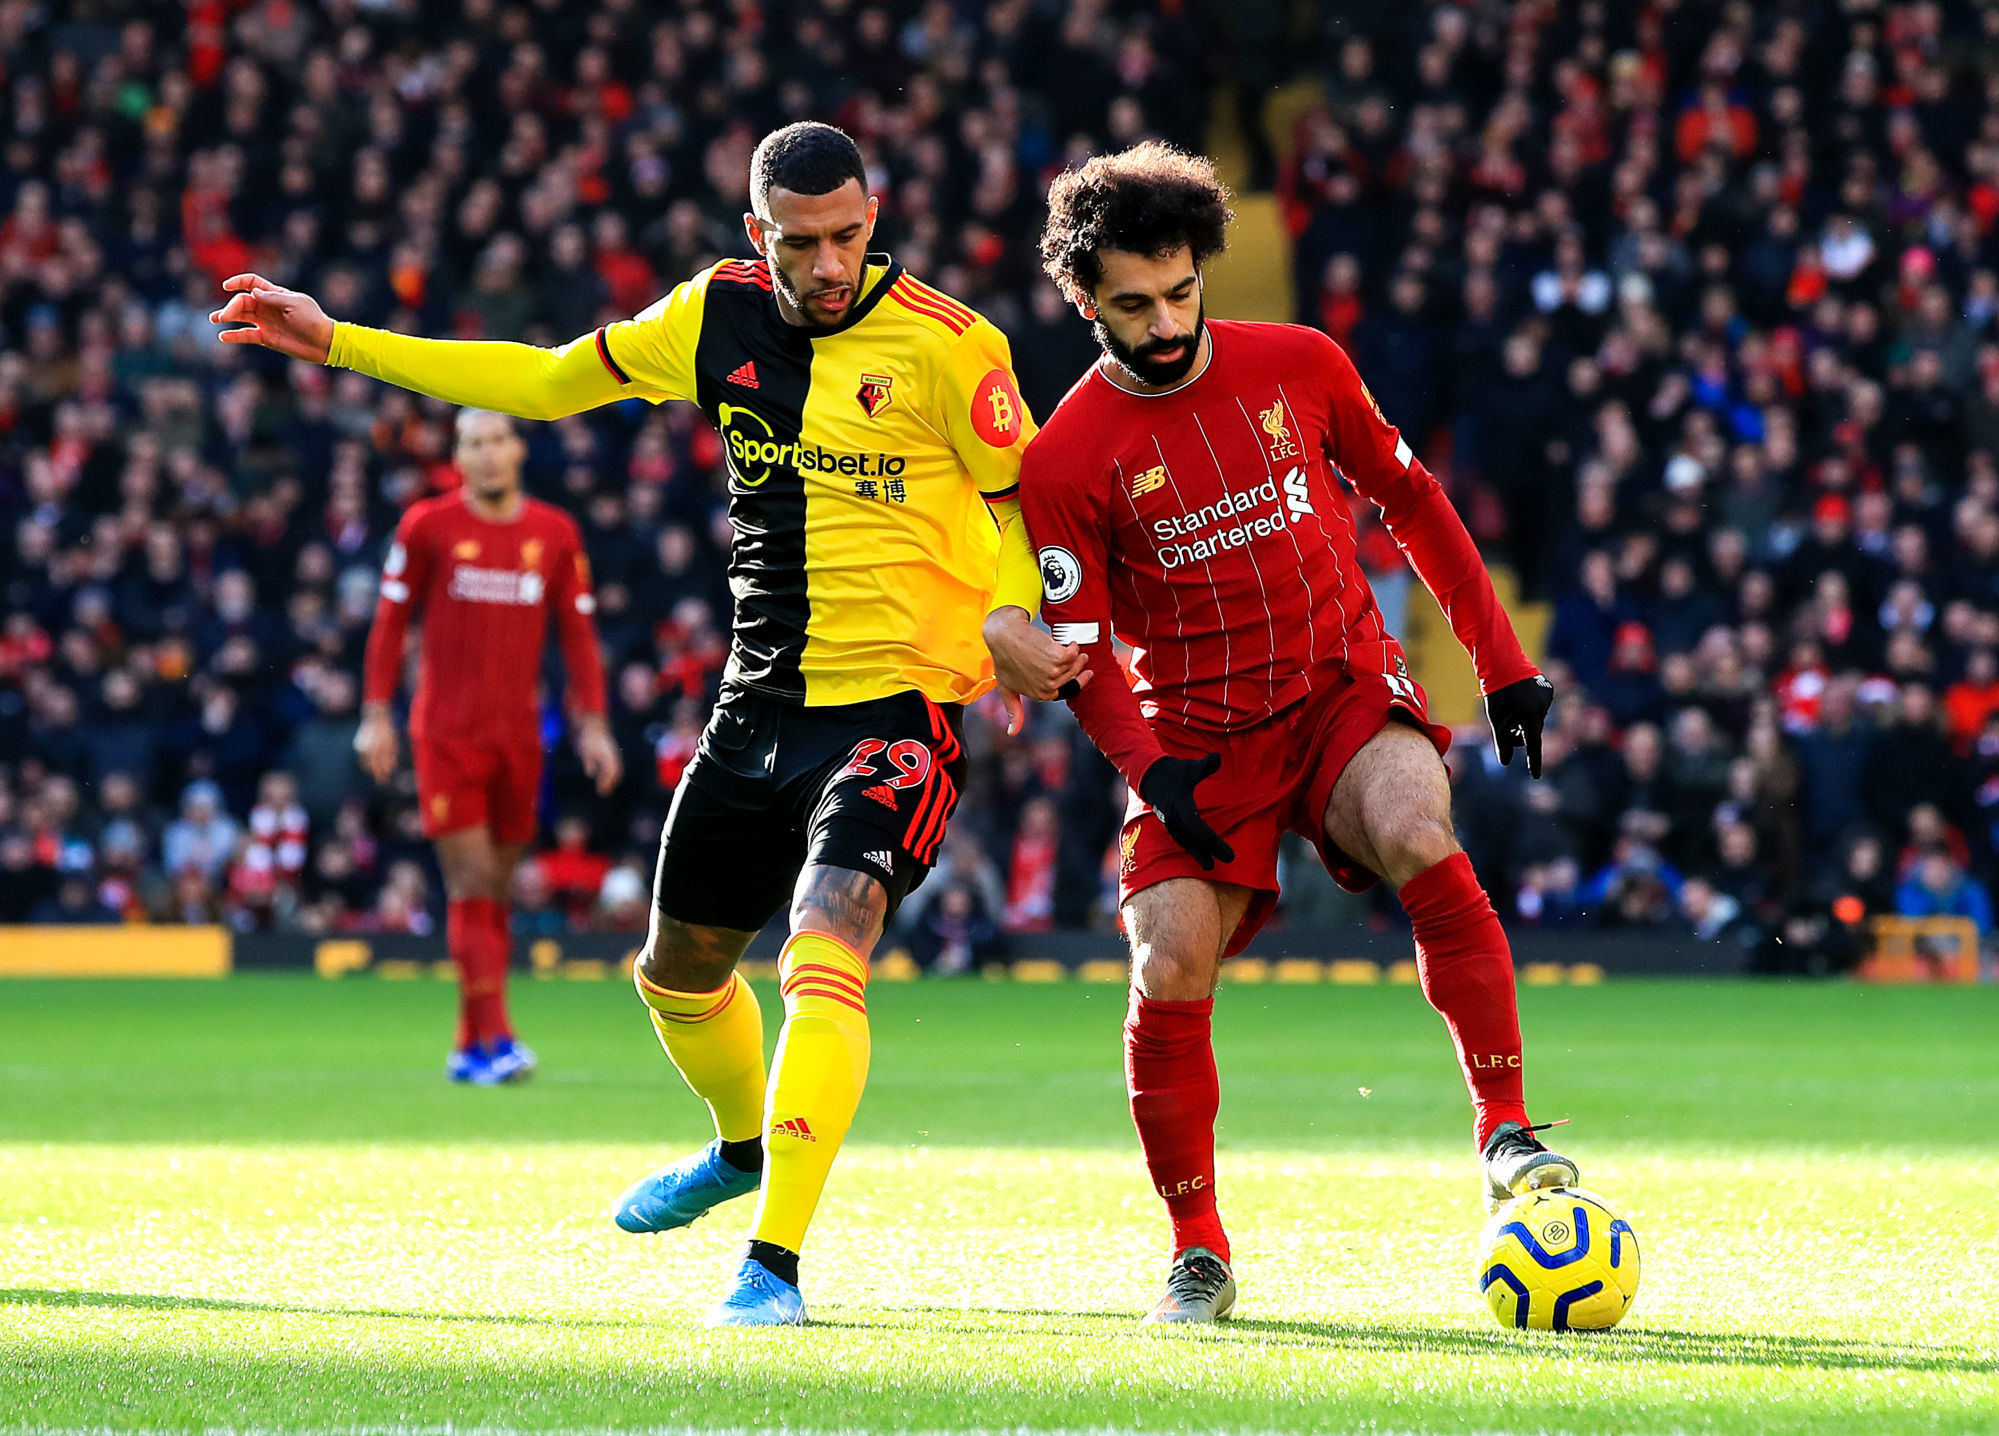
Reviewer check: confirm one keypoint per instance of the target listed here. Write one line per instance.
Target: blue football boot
(674, 1196)
(469, 1065)
(758, 1298)
(510, 1061)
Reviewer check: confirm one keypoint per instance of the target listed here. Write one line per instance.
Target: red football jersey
(485, 591)
(1207, 527)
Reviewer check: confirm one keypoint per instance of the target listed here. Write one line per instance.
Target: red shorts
(1277, 777)
(479, 782)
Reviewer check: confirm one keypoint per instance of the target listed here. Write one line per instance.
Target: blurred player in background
(1186, 494)
(483, 567)
(865, 417)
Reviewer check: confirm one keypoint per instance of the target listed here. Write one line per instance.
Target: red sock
(461, 938)
(474, 940)
(496, 955)
(1466, 968)
(1169, 1066)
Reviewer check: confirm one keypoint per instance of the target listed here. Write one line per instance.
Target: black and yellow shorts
(774, 786)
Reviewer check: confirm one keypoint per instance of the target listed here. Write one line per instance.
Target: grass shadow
(1637, 1344)
(154, 1301)
(1640, 1344)
(1633, 1345)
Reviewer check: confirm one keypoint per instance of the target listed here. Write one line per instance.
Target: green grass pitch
(255, 1204)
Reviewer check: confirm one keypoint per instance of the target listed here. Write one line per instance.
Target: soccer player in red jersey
(485, 566)
(1186, 494)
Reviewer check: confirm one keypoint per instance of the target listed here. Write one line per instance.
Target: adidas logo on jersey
(794, 1127)
(881, 859)
(746, 375)
(882, 793)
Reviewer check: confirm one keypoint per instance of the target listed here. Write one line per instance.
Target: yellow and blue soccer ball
(1558, 1260)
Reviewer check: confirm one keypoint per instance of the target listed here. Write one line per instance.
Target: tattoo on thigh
(851, 904)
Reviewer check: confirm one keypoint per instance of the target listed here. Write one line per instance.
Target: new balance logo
(1145, 483)
(794, 1127)
(882, 793)
(882, 859)
(746, 376)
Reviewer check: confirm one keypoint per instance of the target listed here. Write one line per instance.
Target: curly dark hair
(1149, 199)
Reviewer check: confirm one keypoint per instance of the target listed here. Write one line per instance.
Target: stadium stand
(1692, 305)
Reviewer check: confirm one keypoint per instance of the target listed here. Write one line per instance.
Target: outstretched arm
(518, 379)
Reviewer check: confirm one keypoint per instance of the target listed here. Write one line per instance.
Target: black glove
(1168, 785)
(1516, 713)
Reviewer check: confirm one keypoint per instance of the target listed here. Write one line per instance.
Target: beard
(1142, 361)
(797, 300)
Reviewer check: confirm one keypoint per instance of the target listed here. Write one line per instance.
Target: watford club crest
(874, 392)
(1276, 426)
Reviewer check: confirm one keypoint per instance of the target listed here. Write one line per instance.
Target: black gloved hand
(1516, 713)
(1168, 785)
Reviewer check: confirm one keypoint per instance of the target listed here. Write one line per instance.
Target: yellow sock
(817, 1077)
(716, 1039)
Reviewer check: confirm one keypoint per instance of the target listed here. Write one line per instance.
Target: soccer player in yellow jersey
(865, 417)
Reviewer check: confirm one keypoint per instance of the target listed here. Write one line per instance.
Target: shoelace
(1201, 1277)
(1522, 1139)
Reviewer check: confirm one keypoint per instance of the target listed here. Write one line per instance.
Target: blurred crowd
(1691, 304)
(1695, 304)
(193, 531)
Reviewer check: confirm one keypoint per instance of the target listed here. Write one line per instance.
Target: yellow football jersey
(864, 562)
(864, 558)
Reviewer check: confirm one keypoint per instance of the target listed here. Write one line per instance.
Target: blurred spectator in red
(573, 873)
(1030, 885)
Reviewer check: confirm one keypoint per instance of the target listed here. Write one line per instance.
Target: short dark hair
(805, 158)
(1149, 199)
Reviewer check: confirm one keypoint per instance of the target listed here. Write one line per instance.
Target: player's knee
(842, 903)
(1171, 970)
(472, 879)
(1412, 843)
(681, 959)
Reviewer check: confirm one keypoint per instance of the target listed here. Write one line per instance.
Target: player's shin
(469, 925)
(1466, 967)
(818, 1073)
(496, 953)
(716, 1039)
(1169, 1064)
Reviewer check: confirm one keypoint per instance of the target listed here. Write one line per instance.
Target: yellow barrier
(132, 950)
(1922, 949)
(1932, 950)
